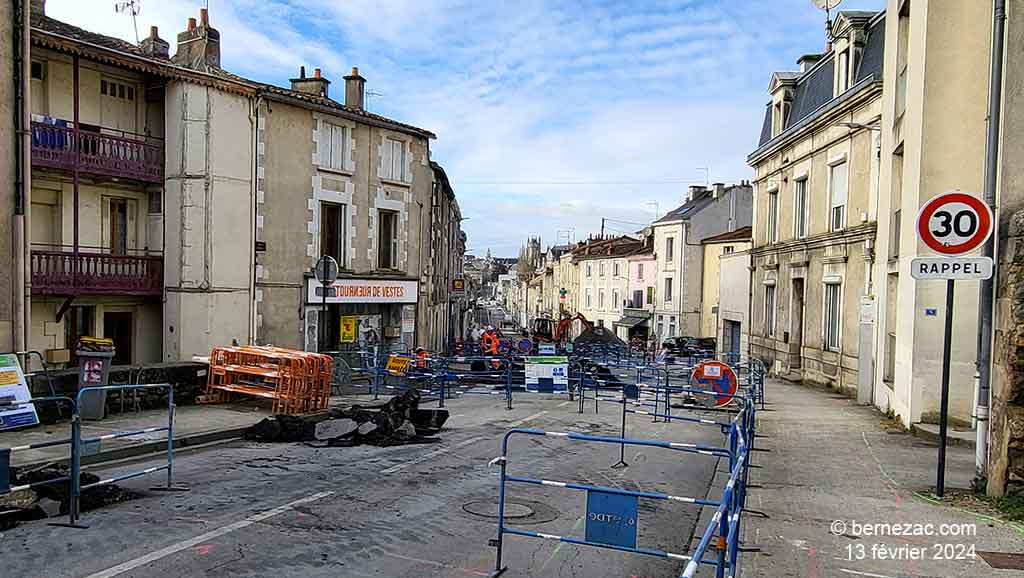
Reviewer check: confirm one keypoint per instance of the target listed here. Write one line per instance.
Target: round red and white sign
(954, 223)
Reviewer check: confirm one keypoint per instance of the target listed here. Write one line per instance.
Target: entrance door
(117, 326)
(796, 336)
(732, 332)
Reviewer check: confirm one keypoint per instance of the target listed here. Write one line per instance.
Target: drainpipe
(254, 119)
(985, 297)
(23, 188)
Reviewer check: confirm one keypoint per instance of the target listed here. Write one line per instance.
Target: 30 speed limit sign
(952, 224)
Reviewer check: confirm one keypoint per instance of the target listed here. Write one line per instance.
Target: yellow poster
(348, 329)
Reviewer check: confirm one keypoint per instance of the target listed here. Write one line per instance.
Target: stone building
(712, 318)
(604, 278)
(680, 254)
(815, 197)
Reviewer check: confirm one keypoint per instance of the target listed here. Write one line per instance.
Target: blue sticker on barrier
(611, 519)
(631, 391)
(5, 470)
(90, 447)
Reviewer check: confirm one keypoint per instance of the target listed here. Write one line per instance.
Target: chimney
(316, 85)
(695, 191)
(153, 46)
(199, 46)
(37, 7)
(807, 61)
(354, 85)
(717, 190)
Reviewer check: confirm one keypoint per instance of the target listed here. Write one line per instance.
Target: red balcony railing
(57, 271)
(123, 155)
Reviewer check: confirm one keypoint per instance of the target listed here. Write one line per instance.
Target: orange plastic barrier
(297, 381)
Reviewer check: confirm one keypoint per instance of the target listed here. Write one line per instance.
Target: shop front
(360, 314)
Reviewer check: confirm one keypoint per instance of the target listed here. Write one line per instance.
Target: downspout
(985, 297)
(23, 187)
(254, 120)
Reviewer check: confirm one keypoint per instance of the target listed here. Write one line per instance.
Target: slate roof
(45, 23)
(814, 87)
(741, 234)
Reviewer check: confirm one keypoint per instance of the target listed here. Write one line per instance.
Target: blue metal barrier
(5, 453)
(612, 512)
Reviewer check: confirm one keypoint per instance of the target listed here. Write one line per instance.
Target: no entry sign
(954, 223)
(718, 377)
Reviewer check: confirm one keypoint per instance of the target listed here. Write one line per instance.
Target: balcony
(56, 270)
(121, 154)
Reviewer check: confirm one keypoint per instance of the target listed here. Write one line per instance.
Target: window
(588, 298)
(831, 315)
(332, 231)
(37, 73)
(650, 295)
(615, 269)
(838, 183)
(902, 47)
(671, 329)
(668, 289)
(638, 299)
(387, 240)
(118, 226)
(844, 71)
(394, 160)
(616, 303)
(800, 209)
(600, 298)
(335, 143)
(773, 216)
(728, 249)
(590, 270)
(639, 270)
(669, 248)
(601, 268)
(769, 310)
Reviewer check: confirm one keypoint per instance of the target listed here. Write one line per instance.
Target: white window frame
(394, 240)
(773, 216)
(668, 290)
(615, 269)
(331, 156)
(670, 246)
(589, 301)
(833, 206)
(600, 299)
(600, 269)
(393, 161)
(800, 207)
(769, 309)
(590, 273)
(832, 337)
(616, 302)
(639, 270)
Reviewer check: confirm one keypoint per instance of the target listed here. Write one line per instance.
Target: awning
(632, 319)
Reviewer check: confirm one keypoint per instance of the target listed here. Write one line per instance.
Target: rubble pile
(398, 421)
(52, 499)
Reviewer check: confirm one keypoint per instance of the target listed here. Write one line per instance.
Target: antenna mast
(132, 7)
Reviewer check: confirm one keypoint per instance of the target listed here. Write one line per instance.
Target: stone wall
(1006, 451)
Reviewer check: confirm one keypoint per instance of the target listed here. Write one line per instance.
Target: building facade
(680, 254)
(815, 196)
(604, 278)
(734, 303)
(642, 270)
(715, 248)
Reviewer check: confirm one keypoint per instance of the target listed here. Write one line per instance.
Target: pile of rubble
(399, 421)
(50, 500)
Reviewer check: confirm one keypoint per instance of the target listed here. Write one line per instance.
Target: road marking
(526, 419)
(427, 456)
(868, 574)
(563, 404)
(186, 544)
(437, 564)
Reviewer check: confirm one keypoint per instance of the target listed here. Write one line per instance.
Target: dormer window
(843, 71)
(780, 115)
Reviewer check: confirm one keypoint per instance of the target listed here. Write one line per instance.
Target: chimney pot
(204, 17)
(153, 32)
(199, 47)
(191, 24)
(154, 46)
(354, 89)
(302, 72)
(316, 73)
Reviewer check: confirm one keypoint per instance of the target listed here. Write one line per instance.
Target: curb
(149, 447)
(919, 432)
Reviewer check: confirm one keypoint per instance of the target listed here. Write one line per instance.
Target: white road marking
(867, 574)
(563, 404)
(429, 455)
(174, 548)
(526, 419)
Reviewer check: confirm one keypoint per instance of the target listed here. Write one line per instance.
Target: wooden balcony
(124, 155)
(56, 270)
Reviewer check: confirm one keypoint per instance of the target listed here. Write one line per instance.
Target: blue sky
(550, 114)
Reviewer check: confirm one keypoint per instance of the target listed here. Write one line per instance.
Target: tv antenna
(130, 7)
(370, 94)
(827, 6)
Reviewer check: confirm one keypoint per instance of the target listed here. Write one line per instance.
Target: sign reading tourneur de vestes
(363, 291)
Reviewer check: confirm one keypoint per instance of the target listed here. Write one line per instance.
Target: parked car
(690, 346)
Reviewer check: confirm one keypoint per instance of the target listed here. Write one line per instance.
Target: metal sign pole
(940, 479)
(323, 315)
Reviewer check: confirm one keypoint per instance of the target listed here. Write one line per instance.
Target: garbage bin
(94, 357)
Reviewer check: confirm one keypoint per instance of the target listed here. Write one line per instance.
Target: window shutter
(386, 166)
(337, 147)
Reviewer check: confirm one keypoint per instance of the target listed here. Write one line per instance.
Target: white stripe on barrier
(552, 483)
(142, 473)
(679, 556)
(683, 499)
(20, 488)
(557, 434)
(681, 445)
(549, 536)
(126, 434)
(717, 517)
(20, 448)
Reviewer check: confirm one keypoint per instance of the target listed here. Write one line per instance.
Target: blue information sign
(611, 519)
(631, 391)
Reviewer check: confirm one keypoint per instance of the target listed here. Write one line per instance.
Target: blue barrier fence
(79, 444)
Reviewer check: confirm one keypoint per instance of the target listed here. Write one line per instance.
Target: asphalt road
(290, 510)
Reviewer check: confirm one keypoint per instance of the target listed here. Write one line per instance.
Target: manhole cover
(490, 509)
(522, 511)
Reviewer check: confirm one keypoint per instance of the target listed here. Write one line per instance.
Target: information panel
(13, 388)
(611, 519)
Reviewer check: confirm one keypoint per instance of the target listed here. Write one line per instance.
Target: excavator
(546, 330)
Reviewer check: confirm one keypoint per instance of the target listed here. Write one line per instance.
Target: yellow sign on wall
(348, 329)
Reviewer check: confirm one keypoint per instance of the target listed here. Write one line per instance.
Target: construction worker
(421, 357)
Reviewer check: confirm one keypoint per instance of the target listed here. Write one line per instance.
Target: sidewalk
(829, 463)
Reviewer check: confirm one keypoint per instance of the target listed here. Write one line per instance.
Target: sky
(549, 114)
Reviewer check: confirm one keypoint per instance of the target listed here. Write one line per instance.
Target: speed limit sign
(954, 223)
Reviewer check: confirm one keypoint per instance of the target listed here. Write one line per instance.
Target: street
(293, 510)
